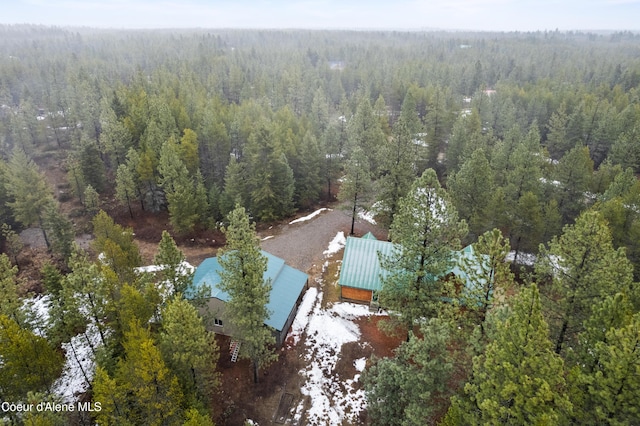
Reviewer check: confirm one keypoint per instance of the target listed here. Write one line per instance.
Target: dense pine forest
(525, 145)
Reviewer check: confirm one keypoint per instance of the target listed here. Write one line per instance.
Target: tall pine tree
(425, 231)
(242, 277)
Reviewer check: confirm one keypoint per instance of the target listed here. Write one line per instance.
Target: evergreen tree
(29, 191)
(356, 185)
(61, 232)
(143, 390)
(605, 379)
(171, 261)
(487, 274)
(398, 166)
(519, 379)
(29, 362)
(471, 189)
(425, 231)
(117, 246)
(13, 242)
(235, 187)
(114, 137)
(308, 182)
(585, 268)
(574, 172)
(558, 140)
(466, 133)
(126, 187)
(332, 157)
(527, 226)
(242, 277)
(189, 151)
(403, 390)
(365, 133)
(189, 349)
(11, 305)
(75, 177)
(92, 165)
(270, 179)
(91, 200)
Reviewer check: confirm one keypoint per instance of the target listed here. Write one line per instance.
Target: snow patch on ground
(360, 364)
(79, 366)
(336, 244)
(184, 268)
(302, 317)
(37, 311)
(367, 216)
(528, 259)
(333, 400)
(267, 238)
(80, 362)
(309, 217)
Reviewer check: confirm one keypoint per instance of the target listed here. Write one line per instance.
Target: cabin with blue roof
(361, 273)
(287, 288)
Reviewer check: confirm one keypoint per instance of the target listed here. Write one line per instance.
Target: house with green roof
(361, 274)
(287, 288)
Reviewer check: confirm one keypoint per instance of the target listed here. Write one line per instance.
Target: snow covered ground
(335, 245)
(79, 366)
(309, 217)
(333, 399)
(367, 216)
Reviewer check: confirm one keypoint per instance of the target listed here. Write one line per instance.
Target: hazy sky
(498, 15)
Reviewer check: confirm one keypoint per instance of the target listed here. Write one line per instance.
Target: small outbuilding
(287, 288)
(361, 274)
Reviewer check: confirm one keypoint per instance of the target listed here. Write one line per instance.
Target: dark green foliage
(11, 305)
(489, 276)
(585, 268)
(143, 390)
(116, 245)
(29, 191)
(471, 190)
(172, 268)
(61, 232)
(13, 242)
(398, 164)
(308, 182)
(51, 279)
(242, 277)
(29, 362)
(402, 390)
(356, 186)
(270, 179)
(574, 174)
(519, 379)
(189, 350)
(426, 231)
(92, 165)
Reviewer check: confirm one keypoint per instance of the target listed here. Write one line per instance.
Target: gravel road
(301, 244)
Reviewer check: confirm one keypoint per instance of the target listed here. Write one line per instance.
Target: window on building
(217, 322)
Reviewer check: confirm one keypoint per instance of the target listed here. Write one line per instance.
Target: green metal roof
(361, 263)
(369, 236)
(286, 285)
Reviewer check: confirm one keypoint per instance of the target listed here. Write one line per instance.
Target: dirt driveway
(301, 244)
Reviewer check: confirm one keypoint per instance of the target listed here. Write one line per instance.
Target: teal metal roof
(369, 236)
(361, 264)
(286, 285)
